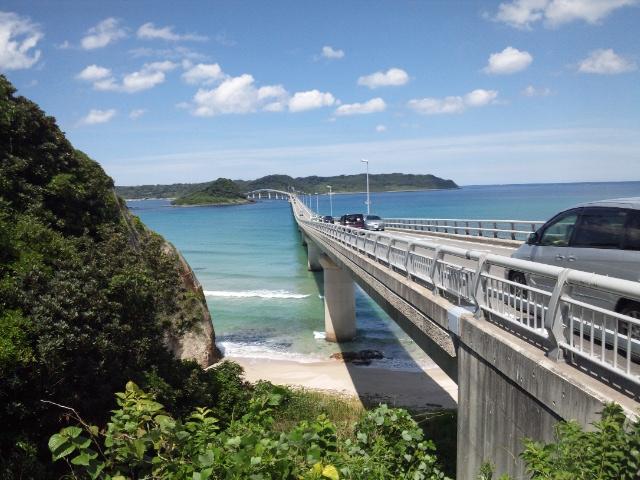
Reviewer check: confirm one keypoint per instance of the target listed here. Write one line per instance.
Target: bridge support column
(339, 303)
(313, 257)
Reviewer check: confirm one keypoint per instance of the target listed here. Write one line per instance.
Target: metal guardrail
(552, 320)
(506, 229)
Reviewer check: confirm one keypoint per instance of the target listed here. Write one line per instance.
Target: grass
(303, 404)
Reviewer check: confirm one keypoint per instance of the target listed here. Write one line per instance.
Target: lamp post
(330, 201)
(368, 202)
(317, 209)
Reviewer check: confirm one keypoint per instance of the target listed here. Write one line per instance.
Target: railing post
(480, 229)
(495, 228)
(434, 272)
(513, 231)
(480, 285)
(555, 315)
(466, 231)
(410, 247)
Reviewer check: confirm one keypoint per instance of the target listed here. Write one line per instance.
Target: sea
(253, 267)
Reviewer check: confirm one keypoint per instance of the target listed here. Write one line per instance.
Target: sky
(481, 92)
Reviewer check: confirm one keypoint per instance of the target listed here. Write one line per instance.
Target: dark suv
(355, 220)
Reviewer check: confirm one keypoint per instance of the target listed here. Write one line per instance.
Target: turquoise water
(253, 268)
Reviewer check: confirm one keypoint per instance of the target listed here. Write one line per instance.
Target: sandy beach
(428, 389)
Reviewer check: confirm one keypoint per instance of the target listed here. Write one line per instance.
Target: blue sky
(487, 92)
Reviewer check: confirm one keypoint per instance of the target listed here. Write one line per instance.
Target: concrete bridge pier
(313, 257)
(339, 302)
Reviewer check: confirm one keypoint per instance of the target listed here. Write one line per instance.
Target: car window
(558, 233)
(373, 217)
(632, 240)
(600, 228)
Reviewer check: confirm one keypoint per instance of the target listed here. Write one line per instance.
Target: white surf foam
(254, 294)
(319, 335)
(242, 350)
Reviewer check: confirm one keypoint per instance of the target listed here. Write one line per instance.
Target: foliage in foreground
(143, 441)
(88, 295)
(611, 451)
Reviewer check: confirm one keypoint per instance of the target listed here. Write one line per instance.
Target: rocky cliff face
(190, 334)
(198, 342)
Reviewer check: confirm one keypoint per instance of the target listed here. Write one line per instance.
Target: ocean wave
(245, 350)
(254, 294)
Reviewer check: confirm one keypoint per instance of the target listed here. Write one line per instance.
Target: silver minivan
(598, 237)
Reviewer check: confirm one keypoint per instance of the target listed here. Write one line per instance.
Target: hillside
(89, 297)
(219, 192)
(382, 182)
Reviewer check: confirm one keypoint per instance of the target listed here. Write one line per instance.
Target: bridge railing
(555, 320)
(505, 229)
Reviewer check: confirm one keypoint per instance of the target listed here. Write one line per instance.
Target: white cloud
(237, 95)
(524, 13)
(381, 128)
(510, 60)
(98, 116)
(202, 74)
(149, 31)
(531, 91)
(436, 106)
(480, 97)
(93, 73)
(453, 104)
(606, 62)
(309, 100)
(331, 53)
(372, 106)
(150, 75)
(137, 113)
(104, 33)
(177, 52)
(392, 77)
(18, 39)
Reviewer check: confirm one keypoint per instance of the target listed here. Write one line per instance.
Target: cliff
(90, 298)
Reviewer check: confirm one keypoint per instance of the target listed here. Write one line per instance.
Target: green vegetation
(340, 183)
(220, 192)
(608, 451)
(88, 295)
(143, 441)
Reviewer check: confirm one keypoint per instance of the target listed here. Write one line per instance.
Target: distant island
(219, 192)
(222, 192)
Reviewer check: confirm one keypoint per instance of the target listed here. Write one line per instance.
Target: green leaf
(83, 459)
(56, 441)
(140, 447)
(72, 432)
(63, 451)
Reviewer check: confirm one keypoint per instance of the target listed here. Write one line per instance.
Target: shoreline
(425, 390)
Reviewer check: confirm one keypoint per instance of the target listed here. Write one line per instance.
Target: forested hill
(381, 182)
(89, 297)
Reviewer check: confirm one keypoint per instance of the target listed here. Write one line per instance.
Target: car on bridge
(597, 237)
(355, 220)
(327, 219)
(373, 222)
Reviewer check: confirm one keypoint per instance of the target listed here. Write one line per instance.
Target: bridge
(523, 358)
(268, 194)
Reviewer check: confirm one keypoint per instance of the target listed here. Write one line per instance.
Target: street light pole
(317, 209)
(368, 202)
(330, 200)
